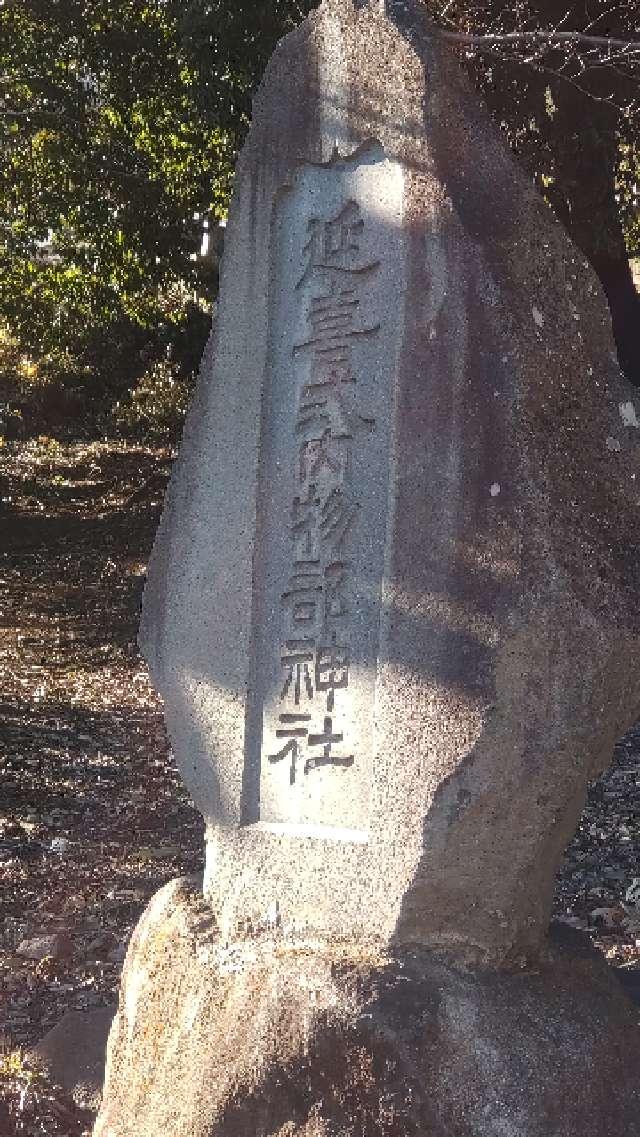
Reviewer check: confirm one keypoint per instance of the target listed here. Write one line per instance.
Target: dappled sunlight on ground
(93, 816)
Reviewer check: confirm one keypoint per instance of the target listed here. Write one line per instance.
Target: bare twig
(467, 39)
(541, 48)
(630, 109)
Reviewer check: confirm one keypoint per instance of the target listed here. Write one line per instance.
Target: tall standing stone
(392, 606)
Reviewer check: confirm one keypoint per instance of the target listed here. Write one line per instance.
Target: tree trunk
(583, 140)
(582, 134)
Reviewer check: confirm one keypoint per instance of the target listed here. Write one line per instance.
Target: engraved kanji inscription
(334, 244)
(324, 509)
(324, 477)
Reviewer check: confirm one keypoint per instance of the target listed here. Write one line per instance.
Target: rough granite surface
(274, 1038)
(73, 1054)
(492, 620)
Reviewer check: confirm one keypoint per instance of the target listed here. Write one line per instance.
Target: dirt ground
(93, 817)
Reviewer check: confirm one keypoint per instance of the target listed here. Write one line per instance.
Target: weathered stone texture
(392, 611)
(475, 627)
(73, 1054)
(265, 1038)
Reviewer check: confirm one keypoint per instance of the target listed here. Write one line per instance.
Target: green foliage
(107, 162)
(628, 187)
(120, 121)
(156, 406)
(228, 44)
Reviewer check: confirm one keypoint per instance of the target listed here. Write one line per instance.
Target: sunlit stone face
(324, 486)
(391, 598)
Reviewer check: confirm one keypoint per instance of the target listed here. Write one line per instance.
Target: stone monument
(392, 610)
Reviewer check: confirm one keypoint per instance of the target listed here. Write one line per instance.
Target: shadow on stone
(269, 1037)
(73, 1054)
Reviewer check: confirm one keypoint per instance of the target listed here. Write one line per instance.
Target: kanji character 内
(322, 456)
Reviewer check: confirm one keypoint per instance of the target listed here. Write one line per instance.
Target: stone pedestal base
(272, 1038)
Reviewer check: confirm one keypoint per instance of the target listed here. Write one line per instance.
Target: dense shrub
(155, 408)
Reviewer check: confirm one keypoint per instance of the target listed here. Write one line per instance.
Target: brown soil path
(93, 818)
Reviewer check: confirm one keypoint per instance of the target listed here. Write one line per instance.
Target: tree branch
(629, 108)
(551, 37)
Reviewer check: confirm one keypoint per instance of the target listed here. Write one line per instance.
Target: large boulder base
(270, 1037)
(73, 1054)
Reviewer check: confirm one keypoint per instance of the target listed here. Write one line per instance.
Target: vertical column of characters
(317, 596)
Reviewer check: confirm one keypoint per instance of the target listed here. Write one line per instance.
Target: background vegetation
(120, 121)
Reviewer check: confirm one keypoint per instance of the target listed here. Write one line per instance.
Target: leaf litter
(93, 815)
